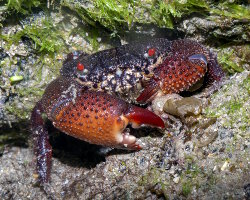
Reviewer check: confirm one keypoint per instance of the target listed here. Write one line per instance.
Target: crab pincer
(100, 118)
(182, 69)
(92, 116)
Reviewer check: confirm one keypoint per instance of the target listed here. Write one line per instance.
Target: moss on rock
(231, 104)
(234, 58)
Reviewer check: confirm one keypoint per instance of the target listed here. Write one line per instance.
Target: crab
(96, 96)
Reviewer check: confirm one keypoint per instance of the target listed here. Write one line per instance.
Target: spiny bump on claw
(176, 81)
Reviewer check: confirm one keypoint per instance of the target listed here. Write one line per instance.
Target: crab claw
(138, 116)
(100, 118)
(181, 70)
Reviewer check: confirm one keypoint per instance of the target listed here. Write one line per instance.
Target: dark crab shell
(137, 71)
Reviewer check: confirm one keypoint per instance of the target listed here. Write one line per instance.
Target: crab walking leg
(100, 118)
(43, 150)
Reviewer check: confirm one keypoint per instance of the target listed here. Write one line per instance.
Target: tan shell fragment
(183, 107)
(159, 102)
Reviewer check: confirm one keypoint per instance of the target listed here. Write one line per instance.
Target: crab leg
(100, 118)
(43, 150)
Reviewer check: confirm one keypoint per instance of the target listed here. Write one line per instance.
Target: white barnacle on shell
(113, 81)
(85, 71)
(118, 72)
(110, 76)
(104, 84)
(128, 77)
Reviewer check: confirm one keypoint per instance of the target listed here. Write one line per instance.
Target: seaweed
(232, 109)
(187, 188)
(117, 15)
(234, 58)
(45, 36)
(231, 10)
(164, 12)
(23, 6)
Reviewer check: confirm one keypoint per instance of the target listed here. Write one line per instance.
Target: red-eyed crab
(96, 96)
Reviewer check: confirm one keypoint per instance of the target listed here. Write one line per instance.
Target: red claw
(138, 116)
(151, 89)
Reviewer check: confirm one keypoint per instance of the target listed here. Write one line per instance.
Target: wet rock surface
(203, 153)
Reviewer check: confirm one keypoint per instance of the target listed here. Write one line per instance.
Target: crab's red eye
(151, 52)
(80, 66)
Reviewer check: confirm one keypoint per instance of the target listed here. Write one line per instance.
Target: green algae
(117, 15)
(191, 177)
(114, 16)
(164, 13)
(45, 36)
(227, 62)
(110, 14)
(20, 113)
(231, 10)
(153, 177)
(15, 79)
(91, 35)
(234, 58)
(23, 92)
(22, 96)
(23, 6)
(187, 188)
(230, 105)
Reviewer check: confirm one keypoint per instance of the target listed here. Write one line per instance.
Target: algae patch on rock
(231, 104)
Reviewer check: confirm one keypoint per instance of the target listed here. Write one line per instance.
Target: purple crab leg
(42, 148)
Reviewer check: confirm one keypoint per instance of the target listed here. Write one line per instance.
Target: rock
(176, 179)
(183, 107)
